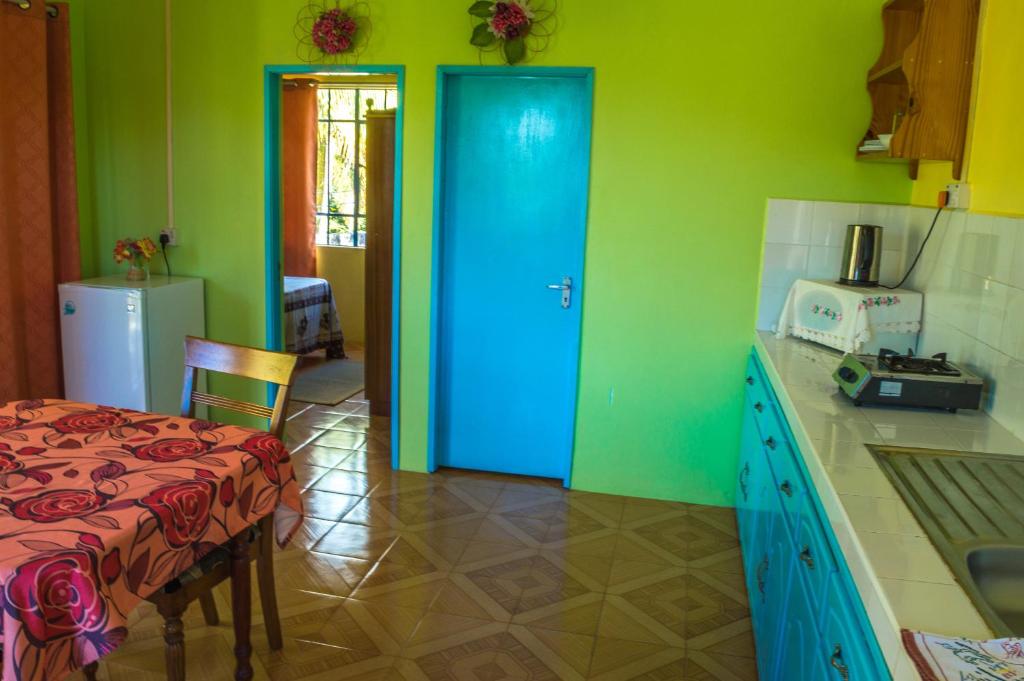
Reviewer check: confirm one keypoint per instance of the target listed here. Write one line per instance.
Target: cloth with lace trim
(847, 317)
(940, 658)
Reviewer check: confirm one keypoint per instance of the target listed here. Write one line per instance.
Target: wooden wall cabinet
(920, 86)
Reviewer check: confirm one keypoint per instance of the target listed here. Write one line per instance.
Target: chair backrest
(238, 360)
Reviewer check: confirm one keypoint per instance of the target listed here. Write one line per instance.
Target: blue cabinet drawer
(815, 562)
(758, 390)
(850, 652)
(809, 622)
(789, 482)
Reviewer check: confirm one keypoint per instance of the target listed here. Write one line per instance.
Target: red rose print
(111, 566)
(269, 450)
(182, 509)
(8, 462)
(89, 422)
(8, 423)
(200, 426)
(30, 404)
(108, 471)
(56, 596)
(227, 492)
(56, 505)
(171, 449)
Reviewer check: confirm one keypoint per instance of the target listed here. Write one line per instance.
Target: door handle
(805, 556)
(838, 664)
(566, 288)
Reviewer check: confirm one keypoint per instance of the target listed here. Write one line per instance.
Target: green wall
(702, 112)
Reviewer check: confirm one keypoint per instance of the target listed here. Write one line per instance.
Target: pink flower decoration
(334, 31)
(510, 21)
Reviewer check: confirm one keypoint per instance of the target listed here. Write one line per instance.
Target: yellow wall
(344, 268)
(995, 161)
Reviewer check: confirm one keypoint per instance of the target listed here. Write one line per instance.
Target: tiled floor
(458, 576)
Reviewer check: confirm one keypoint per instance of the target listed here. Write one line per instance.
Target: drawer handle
(839, 665)
(758, 407)
(805, 556)
(750, 380)
(744, 474)
(770, 443)
(762, 568)
(786, 488)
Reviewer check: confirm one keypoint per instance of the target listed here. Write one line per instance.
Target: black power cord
(164, 240)
(919, 252)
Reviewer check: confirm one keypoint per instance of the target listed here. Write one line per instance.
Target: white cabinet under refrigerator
(123, 341)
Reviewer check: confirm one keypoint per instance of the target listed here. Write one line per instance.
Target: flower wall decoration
(332, 32)
(514, 28)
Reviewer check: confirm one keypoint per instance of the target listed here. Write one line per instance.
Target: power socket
(959, 195)
(171, 234)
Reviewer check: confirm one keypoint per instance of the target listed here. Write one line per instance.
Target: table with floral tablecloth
(100, 507)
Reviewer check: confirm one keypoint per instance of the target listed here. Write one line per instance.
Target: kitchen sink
(971, 505)
(998, 573)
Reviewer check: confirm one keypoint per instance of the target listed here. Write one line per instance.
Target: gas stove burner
(889, 378)
(936, 365)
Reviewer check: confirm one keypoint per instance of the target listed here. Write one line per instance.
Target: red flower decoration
(57, 505)
(89, 422)
(269, 450)
(171, 449)
(56, 596)
(334, 31)
(8, 423)
(182, 509)
(510, 21)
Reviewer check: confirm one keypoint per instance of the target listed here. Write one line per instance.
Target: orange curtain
(298, 182)
(38, 196)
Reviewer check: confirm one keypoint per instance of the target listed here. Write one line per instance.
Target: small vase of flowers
(136, 252)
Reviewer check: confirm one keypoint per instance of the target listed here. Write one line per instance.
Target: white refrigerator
(123, 341)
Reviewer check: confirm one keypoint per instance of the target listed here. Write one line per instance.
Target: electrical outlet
(959, 195)
(172, 235)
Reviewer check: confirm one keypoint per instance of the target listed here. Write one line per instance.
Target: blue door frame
(443, 73)
(272, 215)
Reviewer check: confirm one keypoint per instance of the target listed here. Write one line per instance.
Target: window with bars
(341, 161)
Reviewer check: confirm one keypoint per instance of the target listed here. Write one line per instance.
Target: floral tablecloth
(100, 507)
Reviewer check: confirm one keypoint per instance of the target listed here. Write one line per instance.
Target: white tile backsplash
(789, 222)
(972, 275)
(830, 221)
(804, 240)
(783, 264)
(971, 272)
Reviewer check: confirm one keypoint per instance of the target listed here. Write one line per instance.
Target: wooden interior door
(380, 202)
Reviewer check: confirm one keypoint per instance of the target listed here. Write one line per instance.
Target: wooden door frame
(443, 73)
(273, 270)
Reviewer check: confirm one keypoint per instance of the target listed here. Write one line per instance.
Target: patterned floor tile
(462, 575)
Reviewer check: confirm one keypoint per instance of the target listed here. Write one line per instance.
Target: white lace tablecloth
(847, 317)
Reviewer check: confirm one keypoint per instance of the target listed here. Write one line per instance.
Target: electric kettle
(862, 256)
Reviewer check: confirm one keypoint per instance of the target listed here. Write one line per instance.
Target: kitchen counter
(903, 581)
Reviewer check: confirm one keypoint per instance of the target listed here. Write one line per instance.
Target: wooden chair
(172, 600)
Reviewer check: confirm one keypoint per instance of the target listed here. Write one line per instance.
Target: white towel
(847, 317)
(939, 658)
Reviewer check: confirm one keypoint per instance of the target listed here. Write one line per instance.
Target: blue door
(515, 161)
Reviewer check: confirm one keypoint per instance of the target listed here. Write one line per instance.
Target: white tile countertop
(902, 579)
